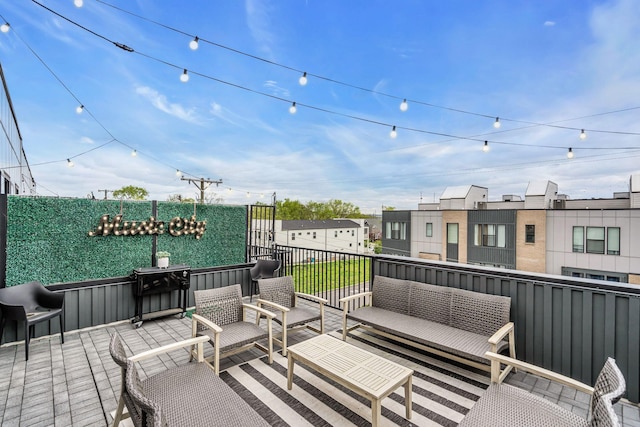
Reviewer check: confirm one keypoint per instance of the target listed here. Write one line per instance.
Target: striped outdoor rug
(442, 392)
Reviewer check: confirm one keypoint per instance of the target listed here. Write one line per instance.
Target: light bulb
(229, 190)
(583, 135)
(570, 154)
(293, 108)
(496, 124)
(404, 106)
(303, 79)
(486, 147)
(248, 194)
(69, 163)
(184, 77)
(393, 134)
(78, 3)
(5, 27)
(134, 153)
(79, 109)
(193, 44)
(177, 172)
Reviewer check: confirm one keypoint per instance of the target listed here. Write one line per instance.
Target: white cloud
(549, 23)
(259, 23)
(276, 90)
(160, 102)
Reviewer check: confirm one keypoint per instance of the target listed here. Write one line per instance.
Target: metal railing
(328, 274)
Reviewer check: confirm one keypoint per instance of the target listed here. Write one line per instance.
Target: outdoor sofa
(455, 323)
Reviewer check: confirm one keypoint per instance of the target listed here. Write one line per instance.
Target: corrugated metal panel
(564, 327)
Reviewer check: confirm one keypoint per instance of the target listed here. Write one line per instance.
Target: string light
(404, 106)
(248, 194)
(583, 135)
(178, 172)
(69, 163)
(134, 153)
(5, 27)
(184, 77)
(485, 147)
(570, 153)
(78, 3)
(293, 108)
(193, 44)
(303, 79)
(496, 124)
(79, 109)
(393, 134)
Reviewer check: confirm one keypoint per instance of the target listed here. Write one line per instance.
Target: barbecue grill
(154, 280)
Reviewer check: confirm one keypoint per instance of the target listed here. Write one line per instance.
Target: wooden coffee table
(362, 372)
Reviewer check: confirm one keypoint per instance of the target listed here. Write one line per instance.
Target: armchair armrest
(277, 306)
(49, 299)
(269, 315)
(495, 339)
(170, 347)
(196, 318)
(536, 370)
(355, 296)
(312, 297)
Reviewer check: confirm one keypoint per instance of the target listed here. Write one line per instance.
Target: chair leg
(2, 328)
(27, 338)
(62, 327)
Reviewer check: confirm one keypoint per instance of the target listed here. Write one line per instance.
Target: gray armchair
(506, 405)
(184, 395)
(30, 303)
(278, 295)
(221, 316)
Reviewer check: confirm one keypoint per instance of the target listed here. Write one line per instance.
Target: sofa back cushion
(430, 302)
(222, 306)
(391, 294)
(479, 313)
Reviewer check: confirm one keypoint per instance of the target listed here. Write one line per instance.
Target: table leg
(407, 396)
(376, 412)
(290, 371)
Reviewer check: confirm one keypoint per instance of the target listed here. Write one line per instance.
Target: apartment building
(544, 232)
(342, 235)
(15, 173)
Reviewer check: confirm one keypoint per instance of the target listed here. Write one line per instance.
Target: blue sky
(571, 63)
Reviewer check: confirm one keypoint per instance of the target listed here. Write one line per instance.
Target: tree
(294, 209)
(177, 198)
(131, 192)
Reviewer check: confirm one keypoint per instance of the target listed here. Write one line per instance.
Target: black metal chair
(30, 303)
(263, 269)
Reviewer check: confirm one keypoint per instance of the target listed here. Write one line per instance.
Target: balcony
(565, 325)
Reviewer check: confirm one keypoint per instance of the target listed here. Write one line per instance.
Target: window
(293, 236)
(314, 234)
(530, 233)
(429, 228)
(397, 230)
(613, 241)
(387, 230)
(490, 235)
(353, 233)
(578, 239)
(595, 240)
(335, 233)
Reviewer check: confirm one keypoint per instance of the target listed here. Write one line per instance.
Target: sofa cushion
(432, 334)
(191, 393)
(478, 313)
(503, 405)
(430, 302)
(391, 294)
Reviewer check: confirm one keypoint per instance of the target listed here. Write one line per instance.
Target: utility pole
(202, 185)
(105, 193)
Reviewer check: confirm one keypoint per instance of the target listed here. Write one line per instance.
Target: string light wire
(405, 100)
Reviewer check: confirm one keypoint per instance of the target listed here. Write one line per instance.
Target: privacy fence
(56, 240)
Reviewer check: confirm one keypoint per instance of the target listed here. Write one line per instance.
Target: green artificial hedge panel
(48, 238)
(223, 243)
